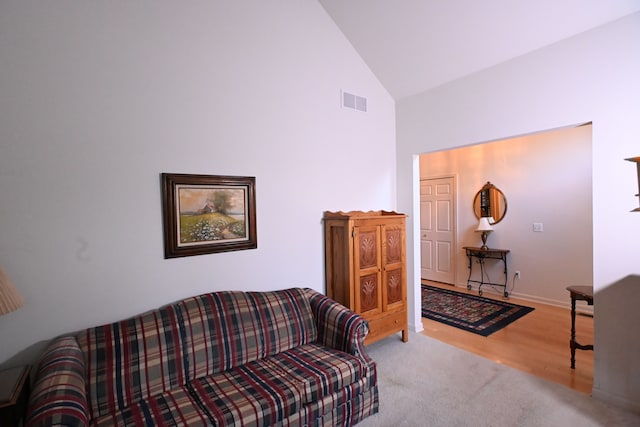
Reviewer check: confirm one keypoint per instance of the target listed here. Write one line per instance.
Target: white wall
(546, 178)
(98, 98)
(590, 77)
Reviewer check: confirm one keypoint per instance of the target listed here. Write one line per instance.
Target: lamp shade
(485, 224)
(10, 298)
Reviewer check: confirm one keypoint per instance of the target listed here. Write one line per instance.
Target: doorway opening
(547, 179)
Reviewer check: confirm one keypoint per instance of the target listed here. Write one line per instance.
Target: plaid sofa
(283, 358)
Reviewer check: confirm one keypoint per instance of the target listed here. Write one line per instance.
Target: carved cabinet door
(393, 256)
(368, 277)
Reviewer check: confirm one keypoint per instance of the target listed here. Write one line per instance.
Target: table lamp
(10, 298)
(484, 225)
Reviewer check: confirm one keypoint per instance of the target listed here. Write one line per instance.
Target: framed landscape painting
(204, 214)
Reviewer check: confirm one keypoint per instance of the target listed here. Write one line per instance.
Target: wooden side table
(14, 393)
(578, 293)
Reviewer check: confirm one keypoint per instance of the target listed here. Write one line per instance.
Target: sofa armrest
(339, 327)
(58, 396)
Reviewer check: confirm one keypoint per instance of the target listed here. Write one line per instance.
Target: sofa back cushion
(223, 330)
(161, 349)
(132, 359)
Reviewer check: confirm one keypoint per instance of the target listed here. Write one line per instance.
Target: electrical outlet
(518, 274)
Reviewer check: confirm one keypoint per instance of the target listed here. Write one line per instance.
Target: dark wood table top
(475, 249)
(11, 383)
(581, 292)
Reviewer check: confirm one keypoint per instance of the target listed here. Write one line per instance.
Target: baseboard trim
(582, 308)
(416, 328)
(618, 401)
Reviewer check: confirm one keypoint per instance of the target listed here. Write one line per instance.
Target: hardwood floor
(537, 343)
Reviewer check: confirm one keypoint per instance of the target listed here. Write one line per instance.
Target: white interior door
(437, 229)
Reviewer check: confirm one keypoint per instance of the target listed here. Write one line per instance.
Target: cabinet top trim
(361, 214)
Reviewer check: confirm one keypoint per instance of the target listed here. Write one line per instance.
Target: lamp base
(484, 246)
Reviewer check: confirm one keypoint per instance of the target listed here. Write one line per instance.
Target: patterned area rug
(482, 316)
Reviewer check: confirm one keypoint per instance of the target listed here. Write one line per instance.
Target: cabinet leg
(405, 335)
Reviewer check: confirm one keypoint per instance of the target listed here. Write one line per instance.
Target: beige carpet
(429, 383)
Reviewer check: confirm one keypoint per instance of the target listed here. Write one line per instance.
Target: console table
(481, 255)
(582, 293)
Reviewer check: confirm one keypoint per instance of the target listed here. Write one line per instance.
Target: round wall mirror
(490, 201)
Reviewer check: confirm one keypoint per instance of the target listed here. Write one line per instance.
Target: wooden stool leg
(572, 341)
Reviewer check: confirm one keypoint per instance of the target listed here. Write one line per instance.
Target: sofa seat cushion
(249, 395)
(173, 408)
(320, 370)
(267, 391)
(345, 407)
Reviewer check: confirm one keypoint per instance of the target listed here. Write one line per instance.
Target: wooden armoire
(366, 269)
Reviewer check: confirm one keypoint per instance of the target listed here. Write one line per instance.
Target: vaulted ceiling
(416, 45)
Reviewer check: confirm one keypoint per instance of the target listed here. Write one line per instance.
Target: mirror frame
(477, 208)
